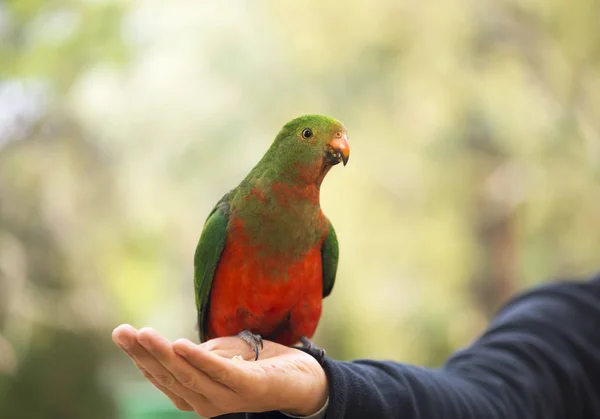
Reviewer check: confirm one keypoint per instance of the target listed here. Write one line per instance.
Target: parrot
(267, 256)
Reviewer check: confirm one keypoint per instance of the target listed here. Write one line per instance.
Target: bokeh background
(475, 135)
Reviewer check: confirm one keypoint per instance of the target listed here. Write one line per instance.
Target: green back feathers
(329, 256)
(206, 259)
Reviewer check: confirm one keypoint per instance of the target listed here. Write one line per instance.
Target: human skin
(206, 379)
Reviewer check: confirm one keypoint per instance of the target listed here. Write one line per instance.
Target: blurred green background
(475, 135)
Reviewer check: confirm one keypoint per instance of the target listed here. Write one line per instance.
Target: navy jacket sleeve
(540, 358)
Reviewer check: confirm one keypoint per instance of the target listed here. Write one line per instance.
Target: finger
(239, 376)
(182, 371)
(125, 337)
(178, 401)
(161, 375)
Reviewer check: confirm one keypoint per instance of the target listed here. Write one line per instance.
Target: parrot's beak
(338, 149)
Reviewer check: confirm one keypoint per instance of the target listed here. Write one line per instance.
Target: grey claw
(253, 340)
(312, 349)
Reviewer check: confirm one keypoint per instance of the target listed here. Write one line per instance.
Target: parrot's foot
(253, 340)
(313, 350)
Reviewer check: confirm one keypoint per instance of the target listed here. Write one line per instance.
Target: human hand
(205, 378)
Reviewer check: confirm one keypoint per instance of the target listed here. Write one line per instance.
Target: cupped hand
(213, 380)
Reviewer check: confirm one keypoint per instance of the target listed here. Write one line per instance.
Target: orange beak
(339, 147)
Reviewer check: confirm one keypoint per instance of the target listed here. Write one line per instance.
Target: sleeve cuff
(319, 415)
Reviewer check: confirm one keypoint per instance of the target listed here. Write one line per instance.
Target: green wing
(206, 259)
(329, 254)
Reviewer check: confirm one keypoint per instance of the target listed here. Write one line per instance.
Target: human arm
(540, 358)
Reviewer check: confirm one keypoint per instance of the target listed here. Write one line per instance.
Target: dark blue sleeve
(540, 358)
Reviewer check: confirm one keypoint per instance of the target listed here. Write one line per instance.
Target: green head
(307, 147)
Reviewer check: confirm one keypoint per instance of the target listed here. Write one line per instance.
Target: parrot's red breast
(251, 292)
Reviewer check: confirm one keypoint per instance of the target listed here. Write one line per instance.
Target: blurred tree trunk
(494, 218)
(496, 280)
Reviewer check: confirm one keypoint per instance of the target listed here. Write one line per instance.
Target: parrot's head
(308, 146)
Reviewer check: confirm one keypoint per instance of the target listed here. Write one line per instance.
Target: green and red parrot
(267, 255)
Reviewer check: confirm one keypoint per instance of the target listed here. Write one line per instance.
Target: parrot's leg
(253, 340)
(313, 350)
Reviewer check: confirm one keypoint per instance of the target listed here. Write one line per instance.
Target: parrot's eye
(307, 133)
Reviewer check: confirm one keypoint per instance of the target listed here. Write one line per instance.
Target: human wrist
(315, 398)
(320, 414)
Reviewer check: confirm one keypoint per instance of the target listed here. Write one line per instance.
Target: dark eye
(307, 133)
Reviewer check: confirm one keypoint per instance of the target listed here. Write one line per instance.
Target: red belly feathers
(246, 295)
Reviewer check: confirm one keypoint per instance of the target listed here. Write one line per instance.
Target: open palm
(220, 376)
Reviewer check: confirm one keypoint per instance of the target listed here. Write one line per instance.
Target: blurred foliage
(61, 367)
(474, 172)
